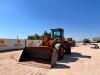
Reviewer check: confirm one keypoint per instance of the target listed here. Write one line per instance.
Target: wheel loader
(47, 54)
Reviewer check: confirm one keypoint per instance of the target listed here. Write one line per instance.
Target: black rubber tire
(60, 55)
(68, 51)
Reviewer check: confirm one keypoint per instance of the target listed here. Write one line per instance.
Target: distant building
(96, 39)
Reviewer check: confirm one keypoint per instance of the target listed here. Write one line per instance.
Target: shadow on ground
(61, 66)
(78, 55)
(73, 57)
(10, 50)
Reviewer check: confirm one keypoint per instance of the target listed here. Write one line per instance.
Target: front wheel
(61, 53)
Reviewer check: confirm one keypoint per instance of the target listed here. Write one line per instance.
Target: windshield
(56, 34)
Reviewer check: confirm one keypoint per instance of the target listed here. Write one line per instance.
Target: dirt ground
(82, 61)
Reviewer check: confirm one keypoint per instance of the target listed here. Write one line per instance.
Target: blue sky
(79, 18)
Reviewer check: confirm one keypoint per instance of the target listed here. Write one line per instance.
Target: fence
(12, 44)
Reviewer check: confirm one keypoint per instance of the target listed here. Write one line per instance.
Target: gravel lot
(82, 61)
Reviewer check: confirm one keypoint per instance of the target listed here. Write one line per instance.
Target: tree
(37, 36)
(34, 37)
(31, 37)
(47, 34)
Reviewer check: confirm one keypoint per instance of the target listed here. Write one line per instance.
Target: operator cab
(58, 33)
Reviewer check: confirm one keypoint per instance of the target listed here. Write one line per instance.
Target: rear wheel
(68, 50)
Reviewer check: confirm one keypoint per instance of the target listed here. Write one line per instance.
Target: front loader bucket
(39, 56)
